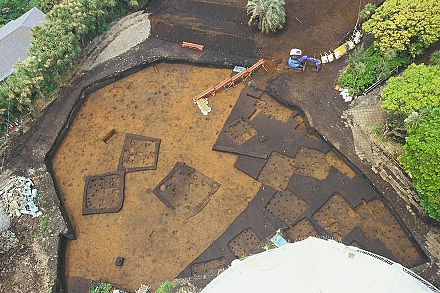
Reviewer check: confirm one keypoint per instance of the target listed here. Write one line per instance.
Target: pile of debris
(345, 94)
(17, 195)
(7, 238)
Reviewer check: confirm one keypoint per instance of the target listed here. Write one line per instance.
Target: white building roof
(317, 265)
(15, 39)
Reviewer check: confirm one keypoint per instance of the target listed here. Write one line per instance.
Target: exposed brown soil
(174, 212)
(156, 242)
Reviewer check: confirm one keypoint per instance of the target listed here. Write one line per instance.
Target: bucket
(357, 37)
(330, 57)
(351, 45)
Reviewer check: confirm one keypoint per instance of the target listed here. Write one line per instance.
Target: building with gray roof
(15, 39)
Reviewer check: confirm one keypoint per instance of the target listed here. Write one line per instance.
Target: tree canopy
(421, 157)
(55, 46)
(12, 9)
(269, 15)
(405, 25)
(417, 88)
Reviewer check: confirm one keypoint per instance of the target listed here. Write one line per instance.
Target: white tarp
(315, 265)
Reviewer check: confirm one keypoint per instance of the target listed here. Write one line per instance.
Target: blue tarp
(278, 240)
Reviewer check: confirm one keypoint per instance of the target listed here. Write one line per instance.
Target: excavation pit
(103, 193)
(186, 190)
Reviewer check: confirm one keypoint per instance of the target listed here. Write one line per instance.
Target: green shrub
(421, 157)
(101, 287)
(435, 58)
(165, 287)
(405, 25)
(417, 88)
(366, 13)
(366, 66)
(378, 130)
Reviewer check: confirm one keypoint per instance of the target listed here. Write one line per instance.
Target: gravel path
(121, 36)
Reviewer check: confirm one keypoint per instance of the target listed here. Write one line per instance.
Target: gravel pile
(120, 37)
(8, 240)
(17, 195)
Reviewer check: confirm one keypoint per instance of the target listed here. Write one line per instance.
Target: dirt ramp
(226, 10)
(220, 26)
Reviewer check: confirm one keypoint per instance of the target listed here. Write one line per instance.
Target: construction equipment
(201, 99)
(297, 60)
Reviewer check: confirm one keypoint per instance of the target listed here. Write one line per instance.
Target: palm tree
(269, 15)
(416, 118)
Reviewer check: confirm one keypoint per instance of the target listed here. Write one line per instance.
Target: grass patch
(100, 287)
(166, 286)
(378, 130)
(43, 224)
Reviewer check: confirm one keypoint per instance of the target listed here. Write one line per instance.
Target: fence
(380, 81)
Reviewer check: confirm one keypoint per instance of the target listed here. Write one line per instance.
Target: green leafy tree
(46, 5)
(12, 9)
(421, 157)
(417, 88)
(405, 25)
(269, 15)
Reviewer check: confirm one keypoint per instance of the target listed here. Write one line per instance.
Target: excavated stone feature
(302, 127)
(241, 131)
(301, 230)
(103, 193)
(374, 220)
(8, 240)
(243, 242)
(337, 217)
(186, 190)
(139, 153)
(310, 162)
(389, 232)
(286, 206)
(335, 161)
(279, 168)
(203, 268)
(271, 108)
(277, 171)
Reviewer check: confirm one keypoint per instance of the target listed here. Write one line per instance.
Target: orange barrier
(230, 80)
(192, 46)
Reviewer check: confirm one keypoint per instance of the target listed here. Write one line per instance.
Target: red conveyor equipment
(230, 80)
